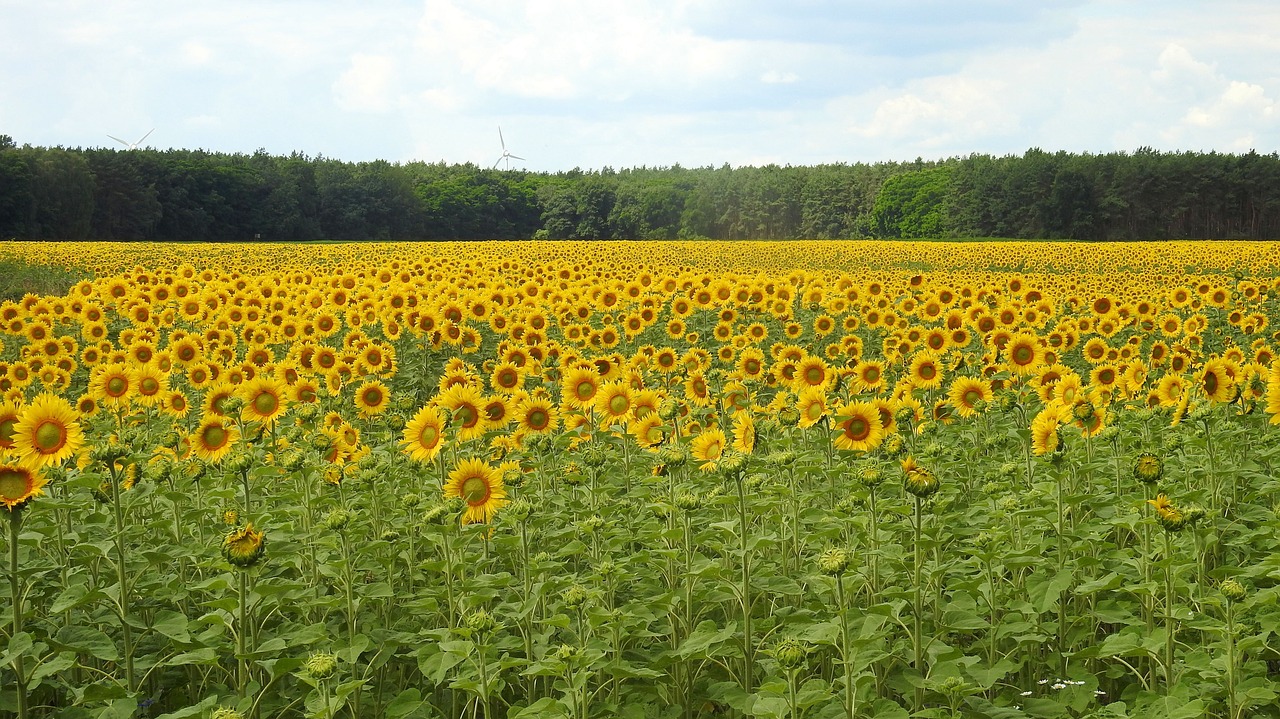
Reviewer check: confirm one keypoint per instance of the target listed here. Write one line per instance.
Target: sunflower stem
(917, 637)
(122, 578)
(850, 697)
(15, 593)
(748, 644)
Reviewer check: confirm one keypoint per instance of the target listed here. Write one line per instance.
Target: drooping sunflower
(266, 398)
(707, 448)
(1044, 428)
(47, 432)
(244, 547)
(19, 484)
(424, 434)
(372, 398)
(858, 427)
(480, 486)
(214, 438)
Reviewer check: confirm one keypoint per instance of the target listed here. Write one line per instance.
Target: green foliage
(177, 195)
(19, 278)
(912, 205)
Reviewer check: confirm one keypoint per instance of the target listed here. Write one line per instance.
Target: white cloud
(367, 85)
(775, 77)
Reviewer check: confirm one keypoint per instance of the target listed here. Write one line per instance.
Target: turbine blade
(498, 162)
(504, 142)
(144, 137)
(122, 142)
(516, 157)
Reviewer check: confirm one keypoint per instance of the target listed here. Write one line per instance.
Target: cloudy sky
(590, 83)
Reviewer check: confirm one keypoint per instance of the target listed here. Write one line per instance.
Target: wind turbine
(132, 145)
(506, 155)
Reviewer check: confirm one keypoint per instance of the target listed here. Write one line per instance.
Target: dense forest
(144, 194)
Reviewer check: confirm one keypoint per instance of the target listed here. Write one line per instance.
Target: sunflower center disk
(215, 437)
(13, 484)
(49, 437)
(6, 432)
(475, 490)
(116, 386)
(265, 403)
(618, 405)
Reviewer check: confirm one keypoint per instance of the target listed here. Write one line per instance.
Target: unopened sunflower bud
(108, 452)
(607, 569)
(240, 462)
(591, 524)
(905, 414)
(668, 410)
(672, 457)
(788, 416)
(732, 462)
(404, 403)
(594, 457)
(337, 520)
(292, 460)
(226, 713)
(171, 439)
(307, 413)
(790, 653)
(893, 446)
(395, 422)
(870, 475)
(1232, 590)
(688, 501)
(390, 535)
(193, 468)
(1148, 468)
(481, 621)
(782, 458)
(834, 561)
(520, 510)
(321, 665)
(575, 596)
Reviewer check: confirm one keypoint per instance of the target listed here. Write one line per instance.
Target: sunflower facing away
(480, 486)
(244, 547)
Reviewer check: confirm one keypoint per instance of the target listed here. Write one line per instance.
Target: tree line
(194, 195)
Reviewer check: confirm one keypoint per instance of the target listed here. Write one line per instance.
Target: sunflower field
(635, 479)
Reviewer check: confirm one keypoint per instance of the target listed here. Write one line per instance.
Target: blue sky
(590, 83)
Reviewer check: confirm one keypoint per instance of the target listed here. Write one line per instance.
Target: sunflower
(858, 427)
(696, 390)
(614, 403)
(506, 378)
(215, 399)
(214, 438)
(966, 393)
(19, 484)
(465, 404)
(870, 375)
(750, 364)
(1025, 353)
(9, 412)
(1044, 429)
(707, 448)
(537, 416)
(47, 432)
(579, 387)
(1217, 380)
(424, 434)
(647, 431)
(244, 547)
(480, 486)
(372, 398)
(926, 372)
(813, 372)
(112, 384)
(812, 406)
(744, 432)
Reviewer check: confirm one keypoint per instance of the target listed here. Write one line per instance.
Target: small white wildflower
(1059, 686)
(1027, 693)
